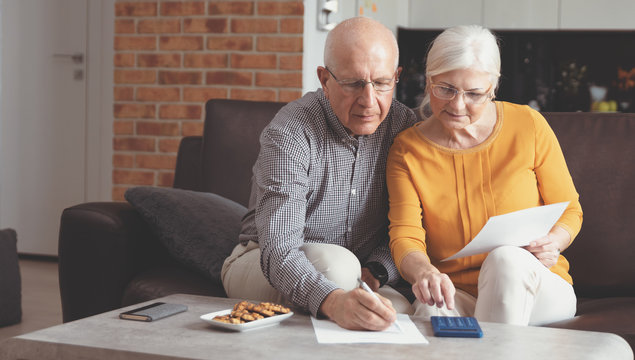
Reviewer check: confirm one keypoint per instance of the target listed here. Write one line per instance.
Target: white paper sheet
(402, 331)
(517, 228)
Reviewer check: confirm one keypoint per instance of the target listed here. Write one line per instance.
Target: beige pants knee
(514, 288)
(243, 278)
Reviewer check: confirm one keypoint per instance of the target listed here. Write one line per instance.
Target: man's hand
(358, 310)
(369, 279)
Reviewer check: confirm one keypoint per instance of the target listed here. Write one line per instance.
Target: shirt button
(353, 191)
(349, 229)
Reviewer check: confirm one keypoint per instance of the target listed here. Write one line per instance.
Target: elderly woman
(470, 159)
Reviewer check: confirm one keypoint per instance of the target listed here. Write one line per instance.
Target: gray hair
(462, 47)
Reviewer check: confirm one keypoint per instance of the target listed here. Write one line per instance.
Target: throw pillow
(10, 283)
(198, 229)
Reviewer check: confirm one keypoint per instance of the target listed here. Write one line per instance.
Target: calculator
(456, 326)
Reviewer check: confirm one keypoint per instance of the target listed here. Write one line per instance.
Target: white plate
(256, 324)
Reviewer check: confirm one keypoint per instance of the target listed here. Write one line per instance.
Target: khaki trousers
(513, 288)
(243, 278)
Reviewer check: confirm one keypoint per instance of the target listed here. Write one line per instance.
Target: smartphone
(153, 312)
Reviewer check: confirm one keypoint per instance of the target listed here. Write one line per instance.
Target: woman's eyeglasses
(353, 86)
(469, 97)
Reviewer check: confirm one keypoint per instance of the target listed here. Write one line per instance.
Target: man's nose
(367, 97)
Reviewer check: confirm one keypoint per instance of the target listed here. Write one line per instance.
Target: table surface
(185, 336)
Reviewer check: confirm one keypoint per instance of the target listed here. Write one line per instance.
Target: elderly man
(318, 211)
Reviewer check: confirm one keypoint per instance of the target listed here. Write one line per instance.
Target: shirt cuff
(317, 297)
(384, 258)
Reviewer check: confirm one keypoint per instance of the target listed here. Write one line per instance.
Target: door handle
(326, 8)
(77, 58)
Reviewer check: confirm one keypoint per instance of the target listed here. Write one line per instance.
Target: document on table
(402, 331)
(517, 228)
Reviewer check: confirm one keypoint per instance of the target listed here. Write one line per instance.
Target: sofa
(109, 255)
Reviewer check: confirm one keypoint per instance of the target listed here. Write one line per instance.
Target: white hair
(463, 47)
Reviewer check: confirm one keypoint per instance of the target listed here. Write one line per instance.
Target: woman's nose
(458, 101)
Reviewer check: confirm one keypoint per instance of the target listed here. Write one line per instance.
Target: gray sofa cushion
(198, 229)
(10, 285)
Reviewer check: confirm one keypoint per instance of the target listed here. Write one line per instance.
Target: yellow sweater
(440, 198)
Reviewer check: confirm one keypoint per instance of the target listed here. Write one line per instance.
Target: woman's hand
(547, 249)
(428, 284)
(435, 288)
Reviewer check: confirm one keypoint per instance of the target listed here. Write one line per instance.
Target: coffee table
(185, 336)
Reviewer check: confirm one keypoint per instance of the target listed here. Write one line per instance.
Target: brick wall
(172, 56)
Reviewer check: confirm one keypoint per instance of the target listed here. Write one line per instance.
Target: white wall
(314, 40)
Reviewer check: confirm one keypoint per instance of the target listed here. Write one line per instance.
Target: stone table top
(186, 336)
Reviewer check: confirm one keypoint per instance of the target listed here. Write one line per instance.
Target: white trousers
(513, 288)
(243, 278)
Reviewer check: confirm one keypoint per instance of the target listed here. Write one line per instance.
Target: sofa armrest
(102, 245)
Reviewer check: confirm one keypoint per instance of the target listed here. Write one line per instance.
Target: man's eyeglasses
(469, 97)
(353, 86)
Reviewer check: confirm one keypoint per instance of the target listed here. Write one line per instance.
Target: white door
(43, 118)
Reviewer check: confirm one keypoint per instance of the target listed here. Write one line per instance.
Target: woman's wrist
(416, 266)
(560, 237)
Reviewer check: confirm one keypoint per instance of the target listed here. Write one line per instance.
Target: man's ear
(398, 72)
(323, 75)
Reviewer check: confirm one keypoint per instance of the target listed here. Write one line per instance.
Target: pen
(367, 288)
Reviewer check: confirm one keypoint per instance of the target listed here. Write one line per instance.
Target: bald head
(358, 52)
(358, 36)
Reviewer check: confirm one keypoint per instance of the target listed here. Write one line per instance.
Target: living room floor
(41, 303)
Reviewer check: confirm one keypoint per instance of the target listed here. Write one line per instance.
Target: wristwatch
(378, 271)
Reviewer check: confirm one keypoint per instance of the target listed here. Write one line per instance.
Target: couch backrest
(231, 145)
(600, 153)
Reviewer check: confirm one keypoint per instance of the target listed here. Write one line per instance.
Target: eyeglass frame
(357, 88)
(487, 95)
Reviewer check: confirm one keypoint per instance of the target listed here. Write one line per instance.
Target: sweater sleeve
(405, 215)
(554, 180)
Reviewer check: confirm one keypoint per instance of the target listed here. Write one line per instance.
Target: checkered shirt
(314, 183)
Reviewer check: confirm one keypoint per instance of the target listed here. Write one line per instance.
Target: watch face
(378, 271)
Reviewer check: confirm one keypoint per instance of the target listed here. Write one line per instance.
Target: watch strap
(378, 270)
